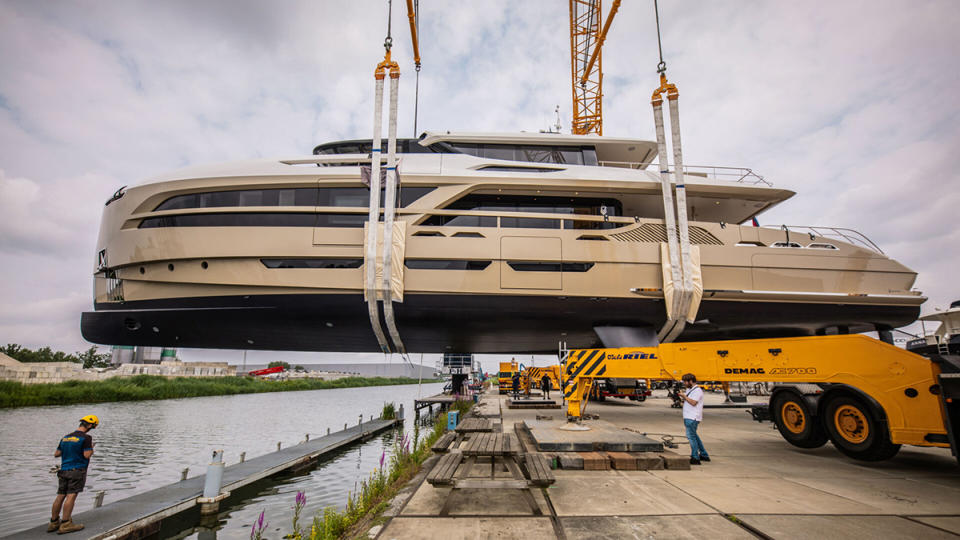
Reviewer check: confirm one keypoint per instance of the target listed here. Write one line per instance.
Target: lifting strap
(373, 218)
(685, 278)
(389, 212)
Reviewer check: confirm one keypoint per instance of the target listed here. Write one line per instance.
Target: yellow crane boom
(586, 42)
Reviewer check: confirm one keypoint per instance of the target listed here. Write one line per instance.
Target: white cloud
(854, 107)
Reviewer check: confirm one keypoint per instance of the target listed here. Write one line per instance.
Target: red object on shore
(267, 371)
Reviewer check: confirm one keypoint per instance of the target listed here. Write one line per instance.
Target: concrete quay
(756, 486)
(140, 516)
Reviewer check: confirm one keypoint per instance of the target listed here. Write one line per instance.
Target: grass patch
(148, 387)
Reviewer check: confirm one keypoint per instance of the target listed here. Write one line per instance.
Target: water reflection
(144, 445)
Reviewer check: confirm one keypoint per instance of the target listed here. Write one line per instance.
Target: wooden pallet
(538, 470)
(491, 444)
(444, 470)
(443, 444)
(474, 425)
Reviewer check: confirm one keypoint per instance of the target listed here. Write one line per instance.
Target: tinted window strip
(312, 263)
(445, 264)
(549, 266)
(332, 196)
(273, 219)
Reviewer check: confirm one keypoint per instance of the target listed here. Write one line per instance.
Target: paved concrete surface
(756, 485)
(550, 437)
(128, 515)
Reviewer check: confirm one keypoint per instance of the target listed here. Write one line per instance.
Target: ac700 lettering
(794, 371)
(774, 371)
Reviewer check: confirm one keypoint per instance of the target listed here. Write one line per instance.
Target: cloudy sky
(852, 104)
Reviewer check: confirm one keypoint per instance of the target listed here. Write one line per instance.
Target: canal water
(145, 445)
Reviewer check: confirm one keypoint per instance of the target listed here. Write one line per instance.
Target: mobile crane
(873, 397)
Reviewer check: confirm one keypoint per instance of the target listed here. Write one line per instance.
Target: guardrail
(848, 235)
(743, 175)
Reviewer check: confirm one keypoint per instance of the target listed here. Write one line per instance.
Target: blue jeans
(696, 445)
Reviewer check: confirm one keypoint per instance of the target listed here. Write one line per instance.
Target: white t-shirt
(694, 412)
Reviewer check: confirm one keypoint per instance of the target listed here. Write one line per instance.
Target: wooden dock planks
(538, 468)
(443, 444)
(443, 472)
(474, 425)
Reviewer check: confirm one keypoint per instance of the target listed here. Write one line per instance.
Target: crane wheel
(796, 422)
(856, 430)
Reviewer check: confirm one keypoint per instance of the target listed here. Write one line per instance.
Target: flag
(755, 222)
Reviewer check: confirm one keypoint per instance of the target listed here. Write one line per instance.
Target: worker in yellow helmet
(74, 452)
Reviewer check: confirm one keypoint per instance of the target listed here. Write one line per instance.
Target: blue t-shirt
(71, 449)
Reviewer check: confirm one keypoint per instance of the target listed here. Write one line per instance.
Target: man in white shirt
(692, 416)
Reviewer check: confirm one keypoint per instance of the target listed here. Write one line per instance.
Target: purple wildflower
(301, 498)
(257, 530)
(383, 456)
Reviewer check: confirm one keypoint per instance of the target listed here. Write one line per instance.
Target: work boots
(69, 527)
(53, 525)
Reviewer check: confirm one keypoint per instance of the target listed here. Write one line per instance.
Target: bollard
(400, 412)
(344, 426)
(210, 500)
(243, 457)
(98, 500)
(183, 474)
(328, 431)
(307, 439)
(278, 446)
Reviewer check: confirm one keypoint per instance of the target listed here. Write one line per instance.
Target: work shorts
(71, 481)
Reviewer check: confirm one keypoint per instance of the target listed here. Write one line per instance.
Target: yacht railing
(848, 235)
(741, 175)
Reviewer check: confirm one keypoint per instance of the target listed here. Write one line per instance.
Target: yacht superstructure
(505, 243)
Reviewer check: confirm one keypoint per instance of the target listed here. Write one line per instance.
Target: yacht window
(573, 155)
(549, 266)
(528, 203)
(460, 221)
(279, 219)
(445, 264)
(327, 196)
(404, 146)
(589, 225)
(341, 220)
(749, 244)
(529, 223)
(514, 168)
(312, 263)
(785, 245)
(262, 197)
(822, 246)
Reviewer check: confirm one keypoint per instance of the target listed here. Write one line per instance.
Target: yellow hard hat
(91, 419)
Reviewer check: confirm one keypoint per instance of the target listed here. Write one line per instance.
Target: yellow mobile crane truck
(873, 397)
(505, 376)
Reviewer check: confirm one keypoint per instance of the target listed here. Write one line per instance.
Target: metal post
(210, 500)
(183, 474)
(214, 477)
(307, 438)
(328, 431)
(243, 457)
(98, 500)
(278, 446)
(400, 414)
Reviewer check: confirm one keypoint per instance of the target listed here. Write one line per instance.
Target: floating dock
(142, 514)
(443, 400)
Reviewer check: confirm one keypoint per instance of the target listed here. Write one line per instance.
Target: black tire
(856, 429)
(796, 422)
(641, 398)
